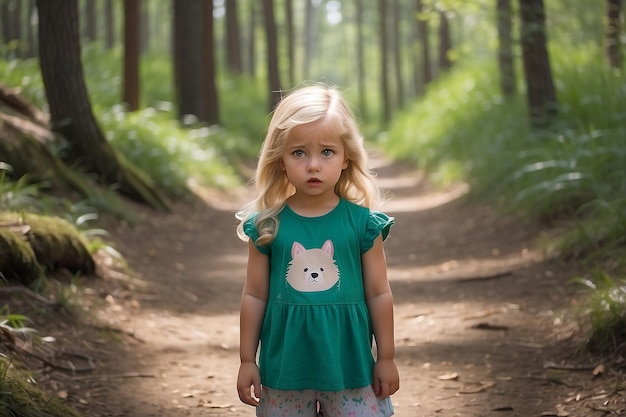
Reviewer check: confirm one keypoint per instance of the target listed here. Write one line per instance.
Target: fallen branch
(107, 377)
(29, 293)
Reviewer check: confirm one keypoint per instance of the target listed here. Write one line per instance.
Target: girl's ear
(345, 164)
(281, 164)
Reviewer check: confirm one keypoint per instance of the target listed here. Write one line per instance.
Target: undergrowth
(573, 171)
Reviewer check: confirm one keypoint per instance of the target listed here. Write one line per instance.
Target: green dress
(316, 332)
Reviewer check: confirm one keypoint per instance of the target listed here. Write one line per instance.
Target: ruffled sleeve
(250, 229)
(377, 224)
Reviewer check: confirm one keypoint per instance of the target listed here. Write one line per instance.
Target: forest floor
(486, 324)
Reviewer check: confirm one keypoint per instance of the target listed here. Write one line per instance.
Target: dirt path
(478, 315)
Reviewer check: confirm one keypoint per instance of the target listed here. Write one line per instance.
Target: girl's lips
(314, 181)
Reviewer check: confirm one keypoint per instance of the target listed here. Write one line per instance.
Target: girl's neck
(312, 206)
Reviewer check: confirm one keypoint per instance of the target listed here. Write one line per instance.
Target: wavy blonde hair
(302, 106)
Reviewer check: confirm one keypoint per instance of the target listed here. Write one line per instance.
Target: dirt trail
(478, 314)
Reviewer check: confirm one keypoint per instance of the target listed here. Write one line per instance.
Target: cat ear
(328, 248)
(296, 249)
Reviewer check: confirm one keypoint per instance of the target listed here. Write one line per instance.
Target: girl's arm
(380, 305)
(253, 302)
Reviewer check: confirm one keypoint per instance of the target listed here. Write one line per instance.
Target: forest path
(478, 313)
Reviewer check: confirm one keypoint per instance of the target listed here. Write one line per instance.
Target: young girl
(316, 294)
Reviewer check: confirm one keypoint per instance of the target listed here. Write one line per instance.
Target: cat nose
(314, 275)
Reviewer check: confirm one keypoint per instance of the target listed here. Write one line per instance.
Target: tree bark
(384, 63)
(424, 42)
(397, 54)
(70, 108)
(612, 43)
(505, 48)
(272, 53)
(291, 48)
(540, 92)
(360, 57)
(233, 43)
(210, 109)
(445, 42)
(188, 57)
(131, 54)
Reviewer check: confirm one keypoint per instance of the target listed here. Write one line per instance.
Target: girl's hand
(249, 383)
(386, 378)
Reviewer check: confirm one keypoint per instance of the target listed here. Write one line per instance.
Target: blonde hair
(302, 106)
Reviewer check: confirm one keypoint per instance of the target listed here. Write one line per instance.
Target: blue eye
(298, 154)
(328, 152)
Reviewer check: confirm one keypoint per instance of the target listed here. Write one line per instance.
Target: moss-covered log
(17, 259)
(31, 244)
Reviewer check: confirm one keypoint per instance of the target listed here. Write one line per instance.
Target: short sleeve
(250, 229)
(377, 224)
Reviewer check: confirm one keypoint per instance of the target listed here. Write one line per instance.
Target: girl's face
(314, 158)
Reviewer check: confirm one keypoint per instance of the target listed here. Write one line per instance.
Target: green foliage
(15, 195)
(606, 312)
(463, 130)
(19, 397)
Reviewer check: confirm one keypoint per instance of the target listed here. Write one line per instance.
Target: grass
(605, 312)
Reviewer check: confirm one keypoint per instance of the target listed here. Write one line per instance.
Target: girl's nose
(314, 164)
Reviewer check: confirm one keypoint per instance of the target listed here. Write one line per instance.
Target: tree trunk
(131, 54)
(291, 48)
(210, 108)
(31, 49)
(310, 23)
(423, 40)
(70, 109)
(445, 42)
(188, 57)
(397, 54)
(540, 92)
(272, 53)
(109, 24)
(360, 57)
(612, 43)
(90, 27)
(505, 48)
(233, 43)
(251, 70)
(384, 63)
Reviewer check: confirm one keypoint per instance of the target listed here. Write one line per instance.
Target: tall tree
(109, 24)
(31, 48)
(252, 23)
(291, 45)
(272, 53)
(12, 27)
(612, 43)
(540, 92)
(210, 102)
(397, 53)
(384, 62)
(423, 42)
(90, 27)
(70, 109)
(131, 54)
(187, 57)
(310, 24)
(233, 44)
(360, 57)
(445, 41)
(505, 47)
